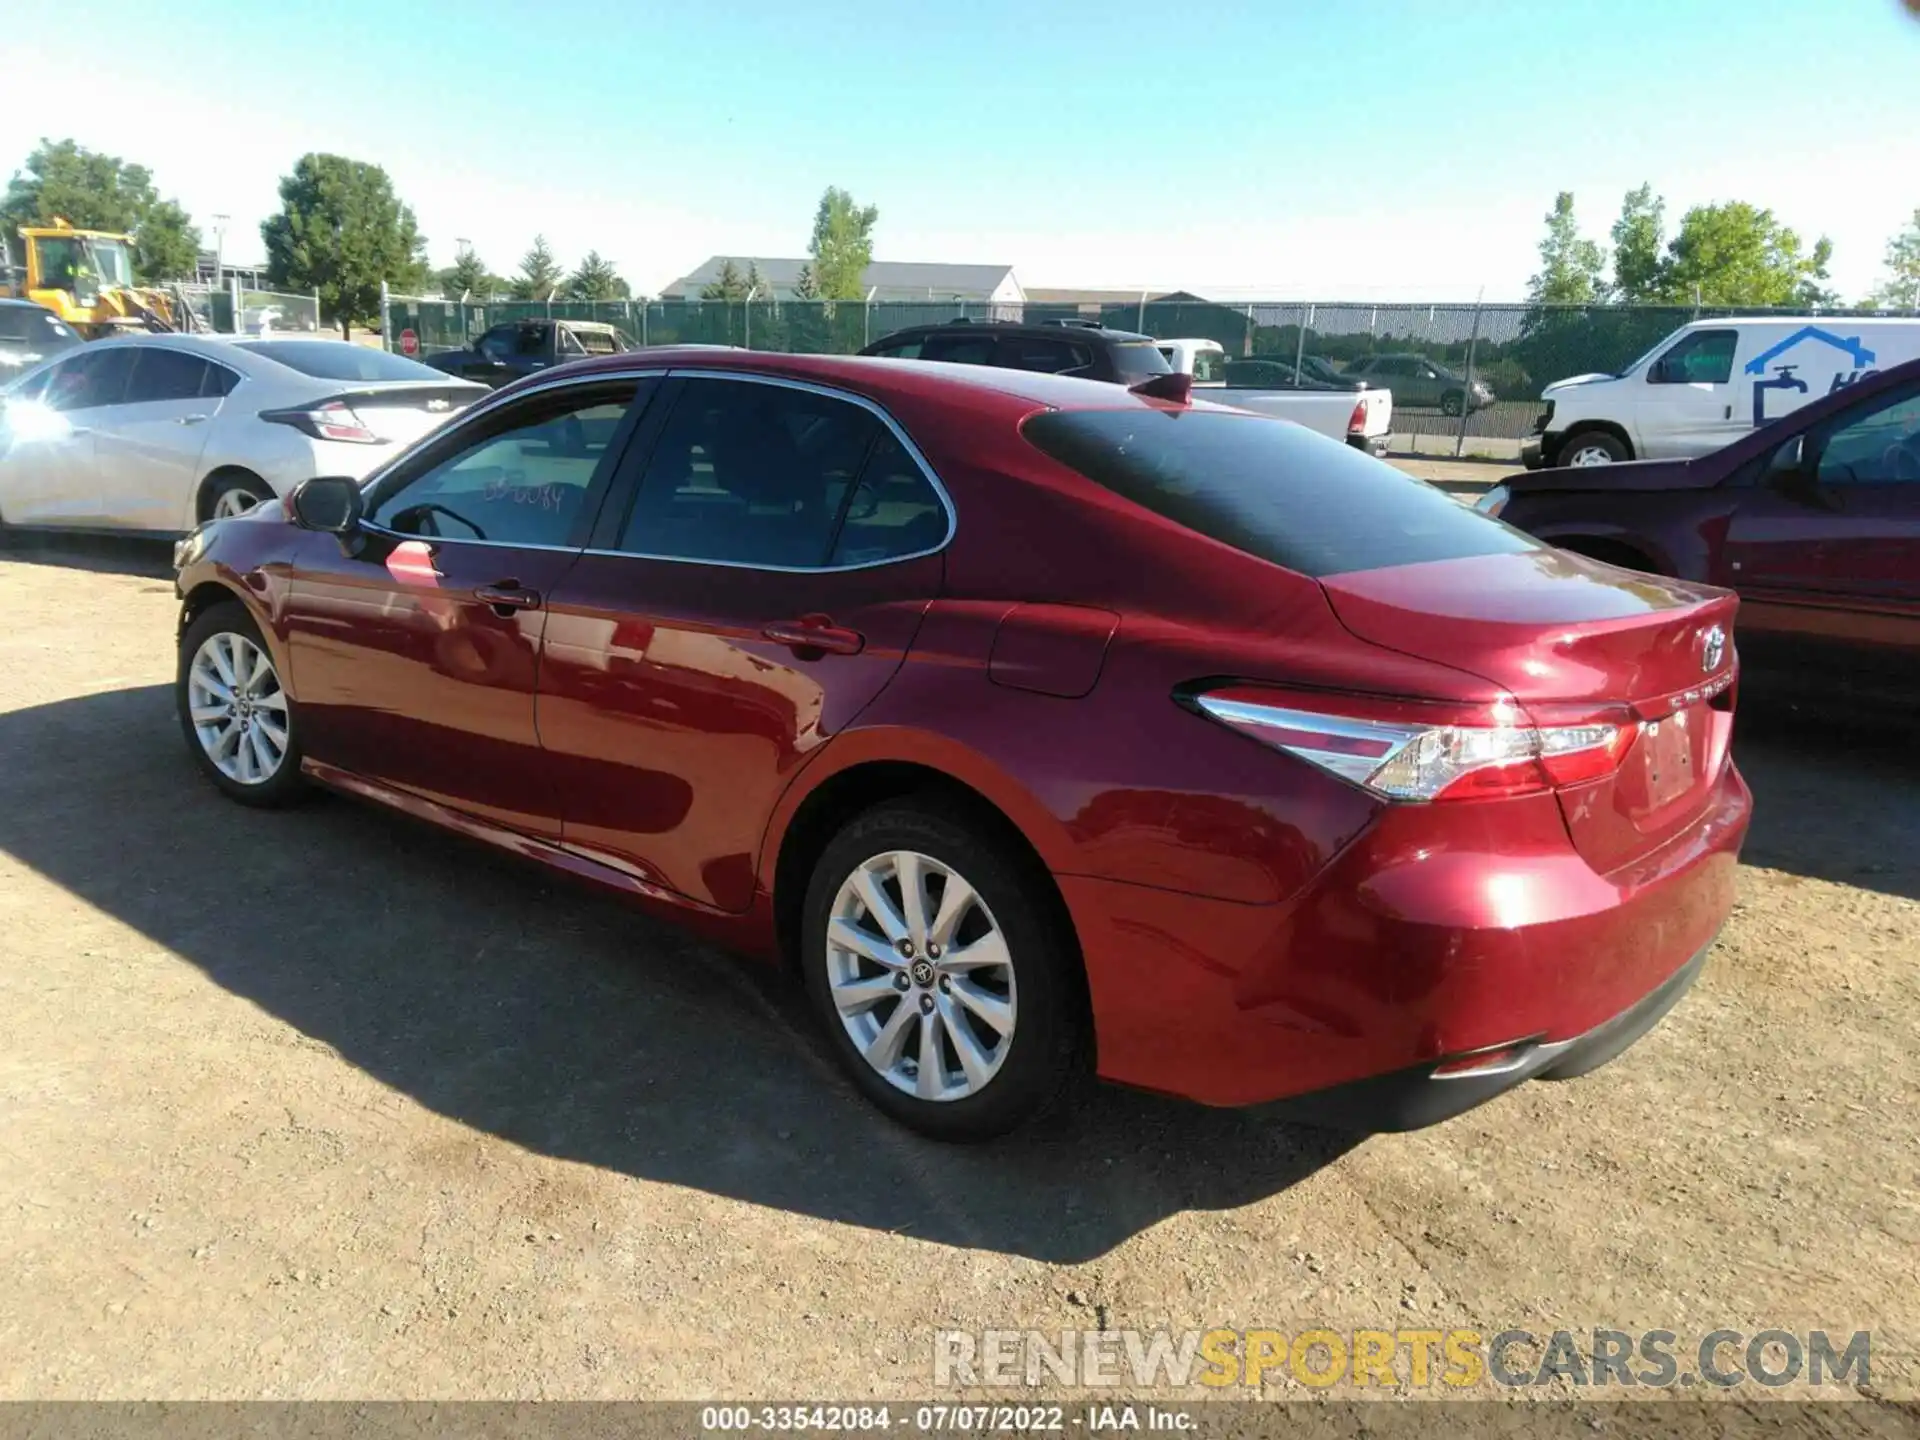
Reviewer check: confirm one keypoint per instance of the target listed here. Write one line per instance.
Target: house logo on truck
(1785, 379)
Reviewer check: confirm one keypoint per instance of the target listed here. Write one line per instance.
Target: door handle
(189, 419)
(816, 633)
(507, 596)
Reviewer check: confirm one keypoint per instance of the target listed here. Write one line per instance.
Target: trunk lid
(1572, 639)
(402, 413)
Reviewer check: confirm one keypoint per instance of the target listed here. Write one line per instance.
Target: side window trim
(473, 427)
(625, 489)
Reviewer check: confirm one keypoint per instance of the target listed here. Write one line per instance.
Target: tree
(842, 245)
(1571, 266)
(540, 273)
(469, 275)
(1637, 237)
(596, 279)
(1735, 254)
(342, 231)
(729, 284)
(1901, 289)
(805, 287)
(93, 191)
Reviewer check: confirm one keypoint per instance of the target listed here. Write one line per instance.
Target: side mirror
(1789, 462)
(329, 503)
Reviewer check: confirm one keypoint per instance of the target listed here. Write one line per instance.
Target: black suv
(1062, 347)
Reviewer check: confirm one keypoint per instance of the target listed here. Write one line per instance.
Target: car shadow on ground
(1836, 796)
(107, 554)
(565, 1022)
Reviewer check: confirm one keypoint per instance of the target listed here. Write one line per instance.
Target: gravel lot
(323, 1104)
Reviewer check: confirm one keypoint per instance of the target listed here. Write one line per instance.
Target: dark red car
(1033, 719)
(1813, 519)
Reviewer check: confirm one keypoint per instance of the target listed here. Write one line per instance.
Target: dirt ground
(324, 1104)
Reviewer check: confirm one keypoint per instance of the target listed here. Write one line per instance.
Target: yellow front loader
(86, 278)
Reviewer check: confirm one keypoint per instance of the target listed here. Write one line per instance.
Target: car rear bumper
(1424, 942)
(1374, 445)
(1428, 1093)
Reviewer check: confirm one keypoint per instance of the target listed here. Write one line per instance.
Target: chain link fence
(233, 309)
(1466, 378)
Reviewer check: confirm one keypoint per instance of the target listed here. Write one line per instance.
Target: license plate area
(1672, 750)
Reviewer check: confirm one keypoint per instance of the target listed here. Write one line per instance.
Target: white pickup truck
(1362, 418)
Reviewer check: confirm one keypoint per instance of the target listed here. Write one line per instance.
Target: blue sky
(1393, 149)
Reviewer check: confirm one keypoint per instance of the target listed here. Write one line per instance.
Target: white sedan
(155, 433)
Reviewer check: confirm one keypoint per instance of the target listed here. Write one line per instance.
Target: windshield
(112, 261)
(339, 360)
(1648, 354)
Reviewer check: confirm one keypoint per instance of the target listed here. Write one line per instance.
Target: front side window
(1703, 358)
(91, 379)
(1881, 447)
(1209, 368)
(899, 349)
(498, 343)
(748, 473)
(524, 481)
(1268, 488)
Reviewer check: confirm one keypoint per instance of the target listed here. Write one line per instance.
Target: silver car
(155, 433)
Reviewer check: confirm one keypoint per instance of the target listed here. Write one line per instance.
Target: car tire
(1592, 447)
(1008, 1044)
(1452, 403)
(233, 493)
(239, 723)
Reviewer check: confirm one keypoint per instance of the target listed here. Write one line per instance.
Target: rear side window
(893, 511)
(959, 349)
(751, 474)
(167, 375)
(1051, 357)
(1269, 488)
(898, 350)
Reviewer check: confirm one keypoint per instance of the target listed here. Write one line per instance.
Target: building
(894, 280)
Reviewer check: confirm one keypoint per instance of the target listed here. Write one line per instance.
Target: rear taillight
(1420, 750)
(1357, 422)
(334, 420)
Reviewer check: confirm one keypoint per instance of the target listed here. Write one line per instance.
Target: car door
(754, 584)
(147, 455)
(1825, 547)
(84, 395)
(1690, 406)
(39, 451)
(414, 656)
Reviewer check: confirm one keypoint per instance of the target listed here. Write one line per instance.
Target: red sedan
(1036, 721)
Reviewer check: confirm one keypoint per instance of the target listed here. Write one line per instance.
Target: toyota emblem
(1713, 648)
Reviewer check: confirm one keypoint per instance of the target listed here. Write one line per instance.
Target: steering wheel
(428, 507)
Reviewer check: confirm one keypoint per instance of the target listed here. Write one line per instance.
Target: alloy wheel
(238, 710)
(1590, 455)
(234, 502)
(920, 976)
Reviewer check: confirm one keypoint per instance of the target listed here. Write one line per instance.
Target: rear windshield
(1269, 488)
(339, 360)
(1137, 359)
